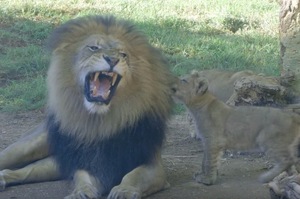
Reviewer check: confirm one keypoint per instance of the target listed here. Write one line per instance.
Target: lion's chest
(110, 159)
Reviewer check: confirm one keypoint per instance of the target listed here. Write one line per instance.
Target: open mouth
(100, 86)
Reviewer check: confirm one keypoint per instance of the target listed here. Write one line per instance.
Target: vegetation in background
(193, 34)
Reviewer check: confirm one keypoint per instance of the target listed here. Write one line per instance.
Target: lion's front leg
(142, 181)
(86, 186)
(30, 148)
(40, 171)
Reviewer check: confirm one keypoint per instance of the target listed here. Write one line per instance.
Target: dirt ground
(182, 157)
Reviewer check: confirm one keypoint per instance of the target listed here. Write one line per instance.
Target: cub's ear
(201, 85)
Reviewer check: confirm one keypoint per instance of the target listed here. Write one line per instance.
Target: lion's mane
(131, 132)
(146, 91)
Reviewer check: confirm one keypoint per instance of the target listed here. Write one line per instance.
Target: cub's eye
(93, 48)
(123, 55)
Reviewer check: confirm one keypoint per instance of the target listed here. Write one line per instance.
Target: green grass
(193, 34)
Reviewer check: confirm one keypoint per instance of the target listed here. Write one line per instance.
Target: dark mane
(110, 159)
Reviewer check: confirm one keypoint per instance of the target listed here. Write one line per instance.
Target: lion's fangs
(96, 76)
(100, 86)
(95, 87)
(114, 78)
(106, 95)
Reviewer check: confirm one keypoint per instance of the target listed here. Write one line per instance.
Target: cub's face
(102, 66)
(189, 88)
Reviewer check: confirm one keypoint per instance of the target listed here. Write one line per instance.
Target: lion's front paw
(124, 192)
(2, 181)
(204, 179)
(86, 191)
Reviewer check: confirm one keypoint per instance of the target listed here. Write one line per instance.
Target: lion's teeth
(114, 78)
(96, 76)
(108, 73)
(95, 91)
(106, 94)
(95, 82)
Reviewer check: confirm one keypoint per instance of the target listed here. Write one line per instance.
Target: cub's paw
(124, 192)
(86, 191)
(204, 179)
(2, 181)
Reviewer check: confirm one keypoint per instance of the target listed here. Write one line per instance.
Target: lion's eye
(123, 55)
(94, 48)
(184, 81)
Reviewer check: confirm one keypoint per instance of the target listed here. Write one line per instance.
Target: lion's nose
(112, 61)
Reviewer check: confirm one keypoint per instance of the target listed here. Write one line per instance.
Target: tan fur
(143, 88)
(221, 83)
(220, 127)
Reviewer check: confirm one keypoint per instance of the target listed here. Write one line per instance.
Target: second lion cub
(223, 127)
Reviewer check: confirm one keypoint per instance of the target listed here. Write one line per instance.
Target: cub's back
(246, 123)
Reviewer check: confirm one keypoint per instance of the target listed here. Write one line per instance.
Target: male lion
(223, 127)
(109, 99)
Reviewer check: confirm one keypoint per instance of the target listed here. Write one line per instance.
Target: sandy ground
(182, 156)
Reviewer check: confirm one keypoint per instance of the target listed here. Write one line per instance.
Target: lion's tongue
(100, 87)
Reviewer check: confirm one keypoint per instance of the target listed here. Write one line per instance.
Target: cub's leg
(85, 186)
(282, 149)
(284, 162)
(30, 148)
(40, 171)
(142, 181)
(209, 173)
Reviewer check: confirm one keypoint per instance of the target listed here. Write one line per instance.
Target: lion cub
(223, 127)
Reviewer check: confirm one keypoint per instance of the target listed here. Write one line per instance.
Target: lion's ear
(195, 73)
(201, 85)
